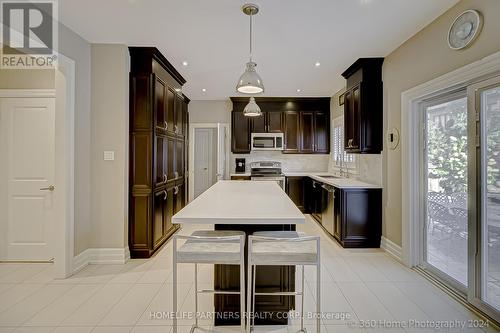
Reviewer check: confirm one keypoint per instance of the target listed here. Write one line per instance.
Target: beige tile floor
(357, 286)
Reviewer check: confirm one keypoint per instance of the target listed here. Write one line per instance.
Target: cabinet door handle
(176, 174)
(166, 125)
(164, 178)
(164, 195)
(175, 129)
(176, 190)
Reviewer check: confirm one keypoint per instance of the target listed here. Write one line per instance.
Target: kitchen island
(249, 207)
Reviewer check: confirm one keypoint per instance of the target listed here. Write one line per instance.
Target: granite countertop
(234, 202)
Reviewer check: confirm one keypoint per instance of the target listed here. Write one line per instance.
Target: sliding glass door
(444, 185)
(484, 182)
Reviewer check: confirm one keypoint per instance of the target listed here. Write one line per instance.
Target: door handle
(50, 188)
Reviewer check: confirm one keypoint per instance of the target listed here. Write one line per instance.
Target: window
(340, 158)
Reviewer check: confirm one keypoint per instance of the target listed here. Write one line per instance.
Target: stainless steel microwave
(267, 141)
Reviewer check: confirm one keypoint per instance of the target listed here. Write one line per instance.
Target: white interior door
(221, 151)
(27, 146)
(205, 151)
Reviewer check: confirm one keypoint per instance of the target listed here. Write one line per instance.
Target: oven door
(279, 180)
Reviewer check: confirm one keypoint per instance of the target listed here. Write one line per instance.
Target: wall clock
(465, 29)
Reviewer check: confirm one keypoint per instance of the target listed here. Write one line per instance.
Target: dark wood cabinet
(179, 114)
(274, 122)
(322, 132)
(162, 216)
(363, 103)
(158, 123)
(170, 113)
(358, 217)
(304, 122)
(357, 213)
(179, 159)
(269, 122)
(291, 120)
(307, 132)
(295, 189)
(259, 124)
(240, 133)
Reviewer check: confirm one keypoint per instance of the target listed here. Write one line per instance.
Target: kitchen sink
(328, 176)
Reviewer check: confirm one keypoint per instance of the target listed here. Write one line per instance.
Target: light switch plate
(109, 155)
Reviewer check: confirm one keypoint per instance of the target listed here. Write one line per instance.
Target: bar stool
(210, 247)
(283, 248)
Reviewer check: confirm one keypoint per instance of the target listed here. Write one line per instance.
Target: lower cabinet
(295, 189)
(163, 203)
(358, 217)
(242, 177)
(357, 213)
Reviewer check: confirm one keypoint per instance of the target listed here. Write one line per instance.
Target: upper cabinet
(269, 122)
(240, 133)
(304, 122)
(363, 105)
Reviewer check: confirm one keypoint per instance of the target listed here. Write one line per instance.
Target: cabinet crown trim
(154, 53)
(362, 63)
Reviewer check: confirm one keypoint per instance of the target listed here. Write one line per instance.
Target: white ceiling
(289, 37)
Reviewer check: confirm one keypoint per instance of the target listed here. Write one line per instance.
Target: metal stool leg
(195, 299)
(249, 296)
(318, 295)
(253, 295)
(302, 329)
(242, 292)
(174, 291)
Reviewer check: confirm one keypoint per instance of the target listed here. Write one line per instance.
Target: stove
(267, 171)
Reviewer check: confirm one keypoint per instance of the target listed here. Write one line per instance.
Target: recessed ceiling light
(298, 90)
(185, 63)
(317, 64)
(203, 89)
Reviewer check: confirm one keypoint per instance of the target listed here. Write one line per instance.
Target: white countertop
(342, 182)
(241, 202)
(316, 175)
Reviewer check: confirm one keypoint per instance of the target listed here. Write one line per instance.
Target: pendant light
(252, 109)
(250, 82)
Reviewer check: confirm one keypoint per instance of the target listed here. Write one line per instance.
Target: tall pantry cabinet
(158, 145)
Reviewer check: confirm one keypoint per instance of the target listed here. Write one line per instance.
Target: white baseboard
(100, 256)
(391, 248)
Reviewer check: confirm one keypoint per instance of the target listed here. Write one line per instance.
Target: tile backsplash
(290, 162)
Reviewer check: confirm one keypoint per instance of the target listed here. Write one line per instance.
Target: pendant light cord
(251, 14)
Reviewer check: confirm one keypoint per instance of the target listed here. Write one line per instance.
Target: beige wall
(109, 132)
(27, 79)
(420, 59)
(210, 111)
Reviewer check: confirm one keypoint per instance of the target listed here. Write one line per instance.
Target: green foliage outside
(447, 147)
